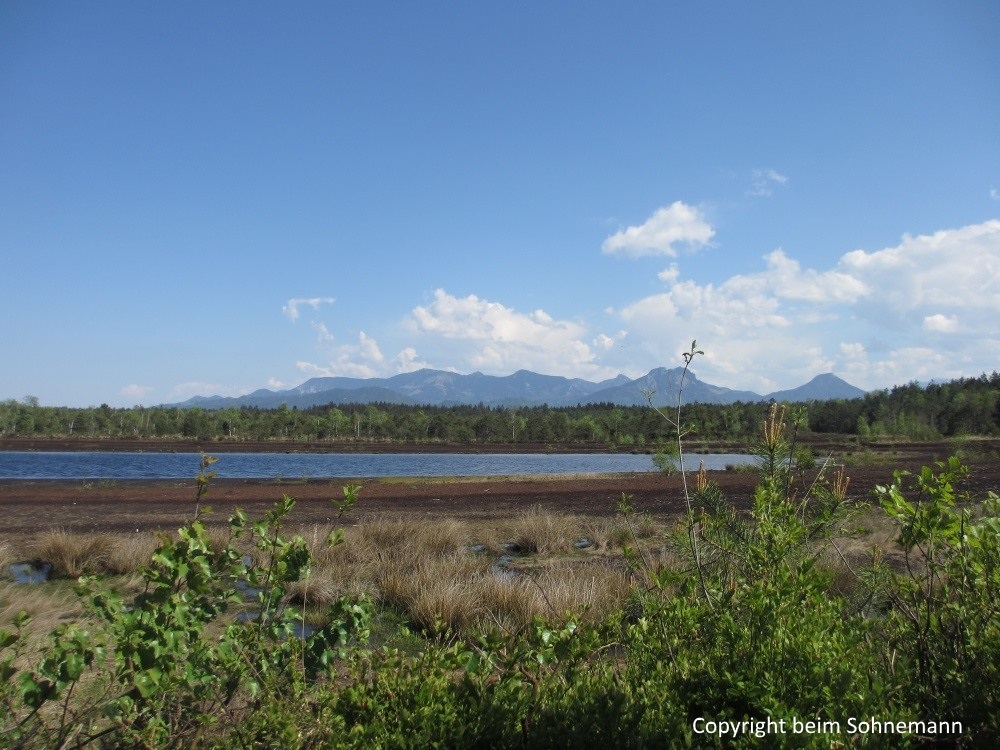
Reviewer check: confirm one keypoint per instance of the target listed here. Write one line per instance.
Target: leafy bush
(743, 629)
(945, 603)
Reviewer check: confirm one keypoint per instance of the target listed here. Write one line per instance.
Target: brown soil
(820, 443)
(29, 506)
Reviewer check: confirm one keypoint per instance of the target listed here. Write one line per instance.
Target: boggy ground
(30, 506)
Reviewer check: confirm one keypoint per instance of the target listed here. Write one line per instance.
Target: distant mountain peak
(823, 387)
(521, 388)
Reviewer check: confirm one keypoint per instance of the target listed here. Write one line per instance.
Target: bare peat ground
(30, 506)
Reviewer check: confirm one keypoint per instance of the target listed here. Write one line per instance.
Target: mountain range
(523, 388)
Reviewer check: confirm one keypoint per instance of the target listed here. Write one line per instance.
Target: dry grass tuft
(128, 552)
(46, 604)
(436, 595)
(511, 603)
(443, 575)
(6, 557)
(411, 536)
(542, 532)
(71, 554)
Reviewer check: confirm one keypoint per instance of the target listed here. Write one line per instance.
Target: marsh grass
(436, 595)
(439, 575)
(443, 575)
(542, 532)
(592, 588)
(129, 552)
(47, 605)
(6, 558)
(73, 554)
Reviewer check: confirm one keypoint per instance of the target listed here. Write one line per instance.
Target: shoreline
(819, 443)
(29, 506)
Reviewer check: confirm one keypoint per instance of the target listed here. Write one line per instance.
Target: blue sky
(210, 198)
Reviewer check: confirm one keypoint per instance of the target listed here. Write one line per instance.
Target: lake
(102, 465)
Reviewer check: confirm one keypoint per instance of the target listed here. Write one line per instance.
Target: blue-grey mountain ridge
(523, 388)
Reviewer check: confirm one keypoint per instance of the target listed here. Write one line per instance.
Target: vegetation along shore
(844, 600)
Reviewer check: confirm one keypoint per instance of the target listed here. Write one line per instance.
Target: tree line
(966, 406)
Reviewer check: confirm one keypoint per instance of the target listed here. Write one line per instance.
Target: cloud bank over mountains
(925, 308)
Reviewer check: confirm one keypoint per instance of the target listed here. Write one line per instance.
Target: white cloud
(939, 274)
(941, 323)
(764, 180)
(408, 360)
(317, 371)
(291, 308)
(995, 194)
(852, 351)
(668, 229)
(135, 392)
(361, 360)
(902, 365)
(477, 334)
(786, 279)
(605, 342)
(368, 348)
(790, 322)
(275, 384)
(669, 274)
(323, 334)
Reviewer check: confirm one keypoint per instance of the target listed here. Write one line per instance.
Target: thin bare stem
(679, 434)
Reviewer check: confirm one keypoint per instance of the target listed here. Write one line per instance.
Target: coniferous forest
(967, 406)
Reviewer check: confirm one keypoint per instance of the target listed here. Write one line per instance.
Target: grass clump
(72, 554)
(543, 532)
(773, 612)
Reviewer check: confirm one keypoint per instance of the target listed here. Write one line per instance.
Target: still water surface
(100, 465)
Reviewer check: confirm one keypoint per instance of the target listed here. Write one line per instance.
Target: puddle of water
(243, 587)
(512, 547)
(247, 591)
(501, 568)
(28, 573)
(503, 572)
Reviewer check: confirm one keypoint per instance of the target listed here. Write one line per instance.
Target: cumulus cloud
(275, 384)
(361, 360)
(866, 318)
(664, 233)
(291, 309)
(408, 361)
(135, 392)
(853, 350)
(954, 270)
(489, 336)
(669, 274)
(763, 182)
(941, 323)
(786, 279)
(605, 342)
